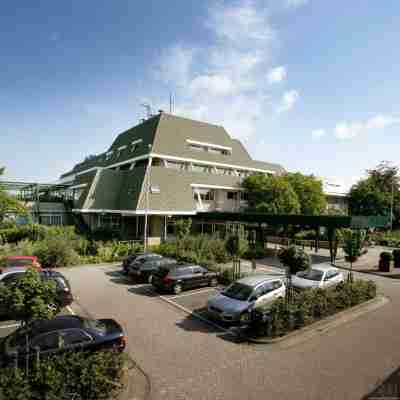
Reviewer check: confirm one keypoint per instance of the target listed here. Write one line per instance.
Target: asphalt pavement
(188, 358)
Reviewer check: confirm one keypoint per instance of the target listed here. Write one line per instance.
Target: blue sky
(312, 85)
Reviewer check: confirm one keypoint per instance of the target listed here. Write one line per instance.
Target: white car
(318, 276)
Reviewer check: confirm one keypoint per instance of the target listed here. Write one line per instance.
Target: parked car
(64, 333)
(318, 276)
(21, 261)
(236, 302)
(63, 287)
(179, 277)
(138, 257)
(144, 268)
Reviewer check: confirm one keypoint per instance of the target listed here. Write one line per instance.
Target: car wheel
(178, 288)
(214, 282)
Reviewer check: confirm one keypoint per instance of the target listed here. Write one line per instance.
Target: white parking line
(192, 293)
(10, 326)
(196, 315)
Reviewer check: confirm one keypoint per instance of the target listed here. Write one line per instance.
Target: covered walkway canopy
(330, 222)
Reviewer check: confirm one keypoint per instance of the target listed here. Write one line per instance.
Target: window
(199, 168)
(244, 196)
(330, 274)
(266, 288)
(47, 341)
(205, 195)
(11, 278)
(276, 284)
(51, 219)
(135, 145)
(196, 147)
(175, 165)
(110, 220)
(232, 195)
(109, 155)
(197, 270)
(74, 336)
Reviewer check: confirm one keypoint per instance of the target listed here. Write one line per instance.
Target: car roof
(57, 323)
(21, 258)
(323, 267)
(255, 280)
(14, 270)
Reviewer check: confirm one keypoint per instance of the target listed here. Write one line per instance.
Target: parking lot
(189, 356)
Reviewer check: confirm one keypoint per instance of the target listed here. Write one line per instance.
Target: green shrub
(311, 305)
(57, 251)
(79, 375)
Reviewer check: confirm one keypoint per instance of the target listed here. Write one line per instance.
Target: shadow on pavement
(118, 277)
(143, 291)
(190, 323)
(388, 389)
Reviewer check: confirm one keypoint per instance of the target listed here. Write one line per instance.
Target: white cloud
(318, 133)
(349, 130)
(296, 3)
(224, 82)
(288, 100)
(277, 74)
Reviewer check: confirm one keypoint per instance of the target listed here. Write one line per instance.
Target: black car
(144, 268)
(63, 288)
(61, 334)
(136, 257)
(180, 277)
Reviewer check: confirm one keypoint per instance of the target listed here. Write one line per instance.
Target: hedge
(309, 306)
(35, 232)
(78, 376)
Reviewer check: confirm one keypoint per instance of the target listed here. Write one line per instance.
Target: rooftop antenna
(147, 107)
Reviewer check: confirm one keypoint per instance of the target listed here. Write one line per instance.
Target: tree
(295, 260)
(309, 191)
(353, 246)
(9, 204)
(29, 297)
(236, 245)
(183, 227)
(373, 195)
(271, 194)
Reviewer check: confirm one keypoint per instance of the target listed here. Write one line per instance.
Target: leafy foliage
(236, 240)
(353, 243)
(311, 305)
(28, 298)
(9, 204)
(78, 376)
(271, 194)
(309, 192)
(372, 196)
(294, 258)
(183, 227)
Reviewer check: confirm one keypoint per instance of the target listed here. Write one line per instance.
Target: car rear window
(96, 325)
(18, 263)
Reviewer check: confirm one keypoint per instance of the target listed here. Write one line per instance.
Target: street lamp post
(391, 207)
(146, 210)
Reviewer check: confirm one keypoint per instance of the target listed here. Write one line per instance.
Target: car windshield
(238, 291)
(96, 325)
(311, 274)
(18, 263)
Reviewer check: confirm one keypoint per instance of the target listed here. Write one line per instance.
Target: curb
(323, 325)
(132, 390)
(367, 272)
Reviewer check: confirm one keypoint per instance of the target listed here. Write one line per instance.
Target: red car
(21, 261)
